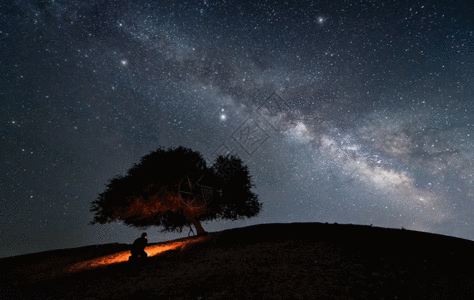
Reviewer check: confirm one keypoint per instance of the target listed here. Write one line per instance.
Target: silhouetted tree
(174, 189)
(236, 200)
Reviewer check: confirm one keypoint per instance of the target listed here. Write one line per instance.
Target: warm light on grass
(124, 255)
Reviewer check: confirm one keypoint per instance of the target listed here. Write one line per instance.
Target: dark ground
(268, 261)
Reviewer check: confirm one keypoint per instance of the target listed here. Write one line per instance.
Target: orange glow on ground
(124, 255)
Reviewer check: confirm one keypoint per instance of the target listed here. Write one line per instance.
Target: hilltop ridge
(275, 261)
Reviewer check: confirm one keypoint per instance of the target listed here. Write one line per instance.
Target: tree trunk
(199, 229)
(193, 220)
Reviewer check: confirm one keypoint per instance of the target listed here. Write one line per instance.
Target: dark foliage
(174, 188)
(236, 200)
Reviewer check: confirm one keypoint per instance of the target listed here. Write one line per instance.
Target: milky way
(344, 112)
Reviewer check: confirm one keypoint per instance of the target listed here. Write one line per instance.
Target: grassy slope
(297, 260)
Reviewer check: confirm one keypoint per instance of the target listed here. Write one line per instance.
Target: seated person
(138, 247)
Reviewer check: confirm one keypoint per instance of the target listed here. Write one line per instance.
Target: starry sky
(344, 111)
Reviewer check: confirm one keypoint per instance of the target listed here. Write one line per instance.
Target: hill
(267, 261)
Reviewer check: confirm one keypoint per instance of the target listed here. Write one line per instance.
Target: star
(222, 116)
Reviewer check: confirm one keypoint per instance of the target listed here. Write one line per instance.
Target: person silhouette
(138, 247)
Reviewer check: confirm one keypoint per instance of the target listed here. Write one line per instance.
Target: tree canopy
(175, 188)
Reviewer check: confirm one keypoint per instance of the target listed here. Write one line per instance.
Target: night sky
(345, 111)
